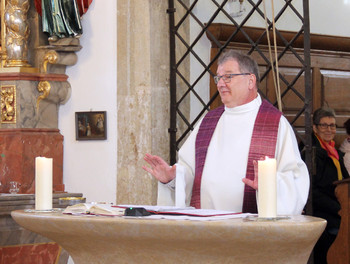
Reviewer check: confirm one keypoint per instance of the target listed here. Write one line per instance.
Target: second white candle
(267, 188)
(43, 183)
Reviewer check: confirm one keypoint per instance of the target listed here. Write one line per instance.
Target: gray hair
(322, 112)
(245, 62)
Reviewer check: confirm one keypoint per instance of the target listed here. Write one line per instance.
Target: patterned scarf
(332, 153)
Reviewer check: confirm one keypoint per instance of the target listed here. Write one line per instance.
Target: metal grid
(182, 87)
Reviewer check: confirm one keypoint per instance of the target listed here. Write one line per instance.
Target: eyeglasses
(227, 77)
(325, 126)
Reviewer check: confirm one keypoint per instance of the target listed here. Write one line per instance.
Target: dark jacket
(324, 201)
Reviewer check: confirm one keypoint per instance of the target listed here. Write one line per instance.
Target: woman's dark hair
(347, 126)
(322, 112)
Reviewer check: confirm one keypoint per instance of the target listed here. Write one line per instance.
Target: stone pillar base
(18, 150)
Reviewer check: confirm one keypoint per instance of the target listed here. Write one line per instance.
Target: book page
(106, 209)
(155, 208)
(81, 208)
(94, 209)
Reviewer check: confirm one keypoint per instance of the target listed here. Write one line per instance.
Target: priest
(216, 165)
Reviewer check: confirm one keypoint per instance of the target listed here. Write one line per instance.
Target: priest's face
(326, 129)
(238, 89)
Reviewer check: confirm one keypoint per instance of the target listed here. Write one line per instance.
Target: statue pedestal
(18, 149)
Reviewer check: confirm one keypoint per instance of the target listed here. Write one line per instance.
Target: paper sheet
(190, 213)
(192, 218)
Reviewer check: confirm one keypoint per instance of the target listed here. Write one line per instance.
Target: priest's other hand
(159, 168)
(253, 183)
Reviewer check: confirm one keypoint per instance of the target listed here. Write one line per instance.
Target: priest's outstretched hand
(159, 168)
(253, 183)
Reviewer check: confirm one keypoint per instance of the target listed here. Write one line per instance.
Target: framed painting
(91, 125)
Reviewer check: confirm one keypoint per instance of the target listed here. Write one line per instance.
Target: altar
(104, 239)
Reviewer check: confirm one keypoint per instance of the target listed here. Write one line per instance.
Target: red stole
(263, 143)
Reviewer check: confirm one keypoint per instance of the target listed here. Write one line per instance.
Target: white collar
(252, 105)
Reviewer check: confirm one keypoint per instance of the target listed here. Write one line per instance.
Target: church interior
(100, 94)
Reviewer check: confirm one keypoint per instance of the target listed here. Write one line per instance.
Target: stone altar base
(143, 240)
(18, 149)
(19, 245)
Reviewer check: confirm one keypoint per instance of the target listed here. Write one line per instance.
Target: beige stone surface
(97, 239)
(143, 93)
(142, 96)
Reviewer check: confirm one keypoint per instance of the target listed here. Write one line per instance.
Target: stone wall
(143, 95)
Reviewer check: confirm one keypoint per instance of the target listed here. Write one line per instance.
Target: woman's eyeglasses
(325, 126)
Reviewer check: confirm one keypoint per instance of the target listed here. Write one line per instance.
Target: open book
(157, 212)
(94, 209)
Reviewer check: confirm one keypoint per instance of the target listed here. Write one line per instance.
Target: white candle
(267, 188)
(43, 183)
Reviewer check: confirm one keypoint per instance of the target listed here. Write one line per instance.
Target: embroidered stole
(263, 143)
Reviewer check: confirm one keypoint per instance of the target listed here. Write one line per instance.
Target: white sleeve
(180, 196)
(165, 196)
(347, 161)
(178, 192)
(345, 147)
(293, 180)
(185, 169)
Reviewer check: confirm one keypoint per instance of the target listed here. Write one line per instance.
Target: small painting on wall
(90, 125)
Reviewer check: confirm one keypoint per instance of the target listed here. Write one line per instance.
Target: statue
(17, 32)
(61, 18)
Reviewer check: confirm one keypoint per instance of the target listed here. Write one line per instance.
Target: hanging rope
(275, 71)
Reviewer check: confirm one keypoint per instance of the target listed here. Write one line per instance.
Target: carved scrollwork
(44, 87)
(8, 104)
(50, 57)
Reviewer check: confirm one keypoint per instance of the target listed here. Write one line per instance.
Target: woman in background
(329, 168)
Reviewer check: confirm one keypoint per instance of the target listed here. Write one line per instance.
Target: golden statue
(17, 33)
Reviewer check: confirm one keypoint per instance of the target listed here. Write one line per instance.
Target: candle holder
(256, 218)
(53, 210)
(14, 187)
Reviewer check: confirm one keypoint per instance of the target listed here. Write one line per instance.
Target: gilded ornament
(44, 87)
(8, 104)
(50, 57)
